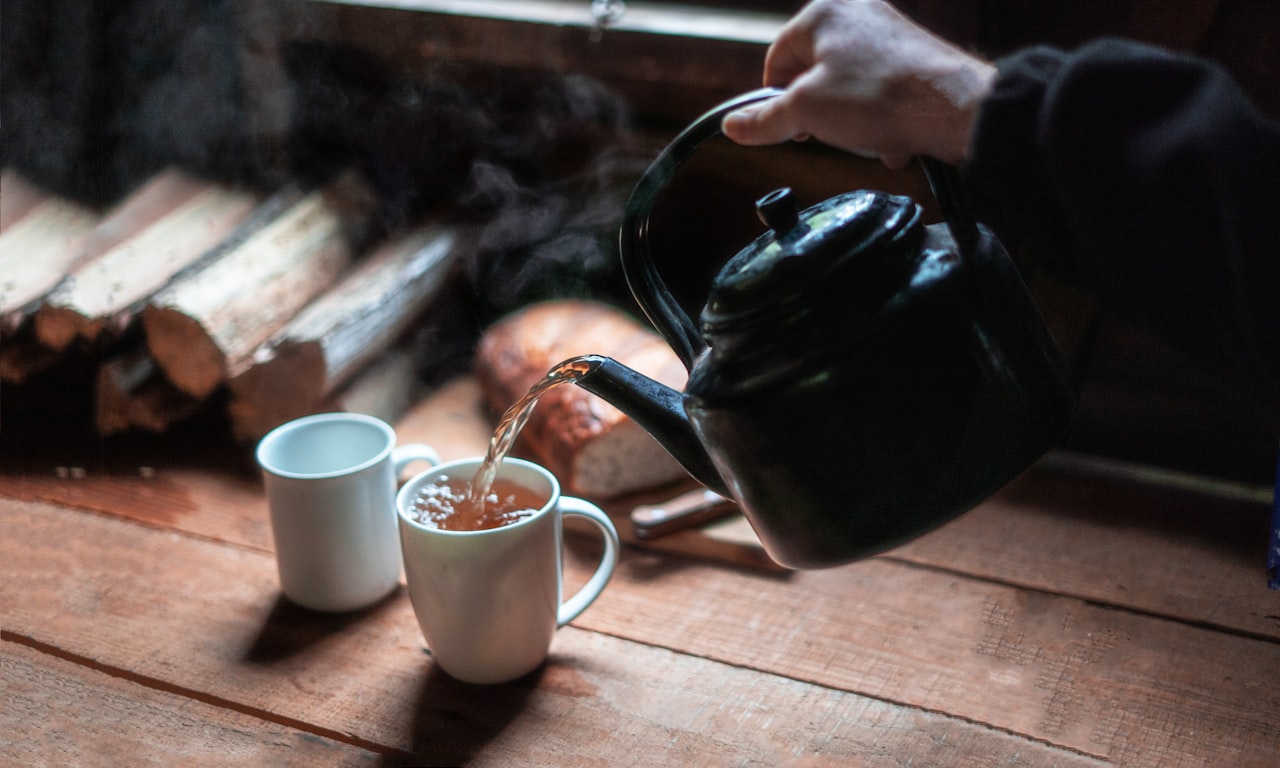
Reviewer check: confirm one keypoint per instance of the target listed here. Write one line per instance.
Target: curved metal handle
(944, 181)
(648, 287)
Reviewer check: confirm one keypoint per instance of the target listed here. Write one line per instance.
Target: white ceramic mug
(489, 601)
(331, 482)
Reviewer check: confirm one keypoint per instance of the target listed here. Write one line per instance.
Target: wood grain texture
(1196, 556)
(101, 293)
(1189, 557)
(1117, 685)
(200, 617)
(208, 320)
(1186, 675)
(67, 712)
(36, 252)
(344, 329)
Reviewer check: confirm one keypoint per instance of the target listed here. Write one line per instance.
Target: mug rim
(409, 488)
(276, 434)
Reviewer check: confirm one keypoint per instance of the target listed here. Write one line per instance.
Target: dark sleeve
(1150, 178)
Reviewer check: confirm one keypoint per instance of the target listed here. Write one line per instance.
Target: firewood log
(59, 237)
(22, 357)
(17, 197)
(204, 323)
(295, 372)
(104, 292)
(35, 252)
(133, 393)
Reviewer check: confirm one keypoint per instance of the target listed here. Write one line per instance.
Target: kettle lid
(847, 242)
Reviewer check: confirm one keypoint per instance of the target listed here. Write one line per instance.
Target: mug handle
(403, 455)
(571, 506)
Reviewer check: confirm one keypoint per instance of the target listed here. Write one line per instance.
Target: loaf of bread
(594, 449)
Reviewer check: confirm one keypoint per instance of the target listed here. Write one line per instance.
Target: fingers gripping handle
(648, 287)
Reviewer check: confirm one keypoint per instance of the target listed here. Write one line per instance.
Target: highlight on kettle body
(857, 377)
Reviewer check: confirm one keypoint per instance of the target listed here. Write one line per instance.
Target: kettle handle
(944, 181)
(648, 287)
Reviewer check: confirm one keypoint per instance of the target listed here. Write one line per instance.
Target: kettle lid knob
(778, 211)
(854, 244)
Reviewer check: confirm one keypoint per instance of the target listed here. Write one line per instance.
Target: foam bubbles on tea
(445, 503)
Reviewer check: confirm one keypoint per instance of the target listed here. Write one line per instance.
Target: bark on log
(208, 321)
(60, 237)
(335, 336)
(106, 292)
(35, 252)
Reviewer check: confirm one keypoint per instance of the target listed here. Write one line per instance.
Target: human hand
(860, 76)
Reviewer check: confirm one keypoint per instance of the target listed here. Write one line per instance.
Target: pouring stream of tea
(514, 420)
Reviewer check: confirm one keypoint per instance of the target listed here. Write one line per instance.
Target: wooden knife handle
(650, 521)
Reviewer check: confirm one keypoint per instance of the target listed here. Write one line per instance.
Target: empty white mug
(489, 601)
(331, 482)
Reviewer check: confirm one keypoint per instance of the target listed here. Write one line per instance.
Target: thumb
(758, 124)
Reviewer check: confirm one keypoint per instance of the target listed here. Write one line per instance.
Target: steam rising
(539, 163)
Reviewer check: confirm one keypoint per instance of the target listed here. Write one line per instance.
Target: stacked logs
(195, 289)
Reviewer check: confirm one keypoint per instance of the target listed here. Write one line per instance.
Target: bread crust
(593, 448)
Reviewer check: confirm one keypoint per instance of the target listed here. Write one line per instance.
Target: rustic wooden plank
(344, 329)
(70, 712)
(1122, 686)
(670, 63)
(1159, 545)
(1194, 557)
(176, 612)
(210, 319)
(150, 488)
(1105, 682)
(101, 293)
(697, 21)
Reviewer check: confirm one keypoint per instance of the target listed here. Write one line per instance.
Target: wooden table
(1075, 619)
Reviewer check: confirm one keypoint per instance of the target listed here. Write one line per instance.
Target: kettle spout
(658, 409)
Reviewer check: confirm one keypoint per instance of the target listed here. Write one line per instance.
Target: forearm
(1149, 177)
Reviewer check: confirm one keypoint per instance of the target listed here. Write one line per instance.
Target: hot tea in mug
(489, 599)
(445, 503)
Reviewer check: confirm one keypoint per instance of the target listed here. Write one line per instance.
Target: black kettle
(857, 378)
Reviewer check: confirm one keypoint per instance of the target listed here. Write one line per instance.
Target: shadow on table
(453, 721)
(290, 629)
(1235, 528)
